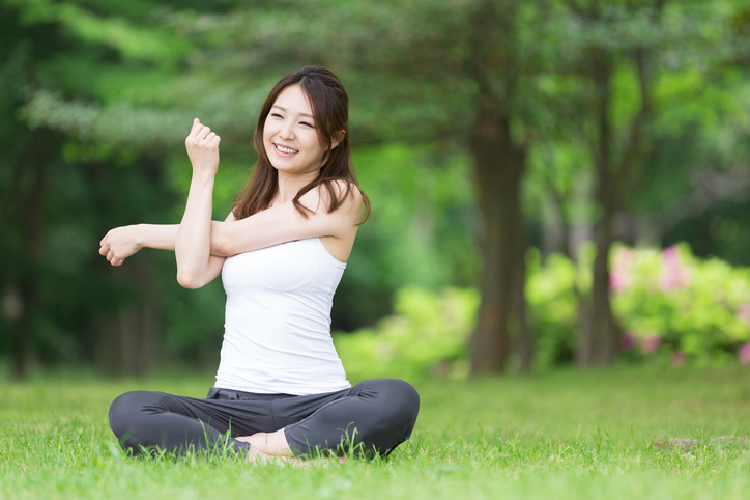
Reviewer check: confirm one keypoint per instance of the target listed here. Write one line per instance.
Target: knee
(123, 414)
(400, 399)
(392, 414)
(408, 399)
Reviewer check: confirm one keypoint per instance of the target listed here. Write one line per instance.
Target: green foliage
(420, 231)
(426, 334)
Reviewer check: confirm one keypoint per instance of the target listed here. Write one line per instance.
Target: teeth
(284, 149)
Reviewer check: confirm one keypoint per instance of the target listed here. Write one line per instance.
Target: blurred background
(553, 182)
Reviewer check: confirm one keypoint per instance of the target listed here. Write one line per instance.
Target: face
(289, 134)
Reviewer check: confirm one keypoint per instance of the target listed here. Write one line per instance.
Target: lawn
(568, 434)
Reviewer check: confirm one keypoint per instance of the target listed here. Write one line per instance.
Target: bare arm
(282, 223)
(192, 246)
(279, 224)
(191, 240)
(122, 242)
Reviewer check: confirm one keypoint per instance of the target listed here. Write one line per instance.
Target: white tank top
(277, 332)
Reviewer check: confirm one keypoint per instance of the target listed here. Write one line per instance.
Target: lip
(282, 153)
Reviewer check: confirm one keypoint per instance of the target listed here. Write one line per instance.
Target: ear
(337, 138)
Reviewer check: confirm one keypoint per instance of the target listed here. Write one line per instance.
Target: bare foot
(262, 454)
(269, 448)
(274, 448)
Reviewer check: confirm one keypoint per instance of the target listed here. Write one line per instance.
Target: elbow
(188, 280)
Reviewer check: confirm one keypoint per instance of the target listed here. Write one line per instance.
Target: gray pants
(373, 416)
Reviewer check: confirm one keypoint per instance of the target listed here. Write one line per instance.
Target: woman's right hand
(202, 147)
(119, 243)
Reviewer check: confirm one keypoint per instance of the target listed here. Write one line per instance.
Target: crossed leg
(380, 412)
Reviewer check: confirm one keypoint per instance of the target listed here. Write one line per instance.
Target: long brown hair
(330, 107)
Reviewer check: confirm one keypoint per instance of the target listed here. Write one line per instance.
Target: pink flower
(650, 344)
(743, 313)
(678, 358)
(627, 341)
(619, 275)
(675, 274)
(745, 353)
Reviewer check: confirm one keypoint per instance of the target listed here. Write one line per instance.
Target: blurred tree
(698, 185)
(629, 79)
(60, 192)
(616, 136)
(624, 50)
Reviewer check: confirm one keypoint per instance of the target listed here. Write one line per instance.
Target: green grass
(561, 435)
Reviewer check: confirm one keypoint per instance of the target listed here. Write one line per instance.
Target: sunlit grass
(563, 435)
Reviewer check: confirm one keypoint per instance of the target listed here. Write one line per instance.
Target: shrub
(428, 332)
(671, 302)
(553, 306)
(672, 306)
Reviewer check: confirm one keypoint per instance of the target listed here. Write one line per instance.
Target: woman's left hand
(202, 147)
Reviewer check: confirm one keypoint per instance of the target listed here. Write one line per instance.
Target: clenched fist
(119, 243)
(202, 147)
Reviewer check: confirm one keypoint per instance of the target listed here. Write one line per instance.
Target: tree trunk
(598, 342)
(127, 343)
(500, 165)
(557, 232)
(29, 183)
(601, 332)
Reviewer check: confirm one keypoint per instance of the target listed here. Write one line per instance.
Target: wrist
(203, 177)
(139, 235)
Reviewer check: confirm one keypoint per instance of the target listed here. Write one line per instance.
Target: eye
(307, 124)
(276, 115)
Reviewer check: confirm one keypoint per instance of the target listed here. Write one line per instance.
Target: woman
(281, 389)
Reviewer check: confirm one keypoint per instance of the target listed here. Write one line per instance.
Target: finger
(216, 141)
(210, 137)
(203, 133)
(110, 255)
(117, 262)
(197, 126)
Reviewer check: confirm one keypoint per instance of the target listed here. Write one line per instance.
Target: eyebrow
(285, 110)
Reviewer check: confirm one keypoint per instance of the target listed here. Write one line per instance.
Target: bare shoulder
(347, 194)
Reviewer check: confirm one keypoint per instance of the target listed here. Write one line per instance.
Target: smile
(285, 149)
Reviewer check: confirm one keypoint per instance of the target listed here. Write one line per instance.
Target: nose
(287, 130)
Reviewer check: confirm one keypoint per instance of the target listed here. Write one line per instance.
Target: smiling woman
(281, 389)
(289, 136)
